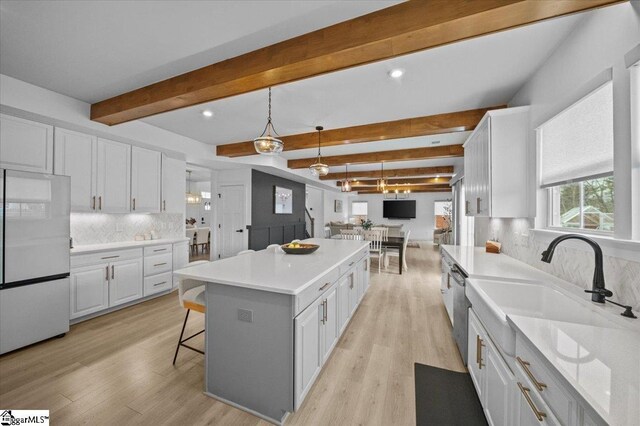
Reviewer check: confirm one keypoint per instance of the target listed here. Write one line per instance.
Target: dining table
(395, 242)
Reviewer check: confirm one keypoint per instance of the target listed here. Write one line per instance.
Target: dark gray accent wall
(266, 226)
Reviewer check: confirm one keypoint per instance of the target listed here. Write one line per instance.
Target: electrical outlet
(245, 315)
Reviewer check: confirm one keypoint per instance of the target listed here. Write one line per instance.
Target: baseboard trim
(249, 410)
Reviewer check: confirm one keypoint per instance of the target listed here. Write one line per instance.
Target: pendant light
(265, 143)
(319, 168)
(192, 198)
(346, 184)
(382, 182)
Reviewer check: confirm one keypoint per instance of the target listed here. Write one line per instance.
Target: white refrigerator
(34, 257)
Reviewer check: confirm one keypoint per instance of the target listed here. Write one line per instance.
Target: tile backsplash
(98, 228)
(575, 266)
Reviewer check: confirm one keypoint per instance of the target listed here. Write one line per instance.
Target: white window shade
(577, 144)
(359, 208)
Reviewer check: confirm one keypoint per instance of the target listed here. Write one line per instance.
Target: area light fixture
(319, 168)
(396, 73)
(381, 184)
(266, 143)
(346, 184)
(192, 197)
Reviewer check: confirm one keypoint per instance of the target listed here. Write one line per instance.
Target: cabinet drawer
(105, 256)
(543, 381)
(158, 264)
(315, 290)
(164, 248)
(157, 283)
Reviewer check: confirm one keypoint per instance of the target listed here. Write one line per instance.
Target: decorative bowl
(301, 249)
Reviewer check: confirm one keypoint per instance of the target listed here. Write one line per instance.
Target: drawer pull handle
(157, 284)
(479, 345)
(525, 366)
(100, 202)
(160, 264)
(157, 250)
(93, 204)
(324, 287)
(540, 415)
(351, 264)
(111, 257)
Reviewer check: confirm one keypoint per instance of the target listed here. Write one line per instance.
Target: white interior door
(232, 220)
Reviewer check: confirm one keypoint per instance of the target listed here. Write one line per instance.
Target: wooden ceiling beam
(405, 181)
(445, 151)
(461, 121)
(387, 33)
(413, 191)
(375, 173)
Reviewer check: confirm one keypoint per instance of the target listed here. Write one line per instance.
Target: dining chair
(348, 232)
(375, 245)
(202, 239)
(273, 248)
(191, 297)
(245, 252)
(394, 252)
(191, 234)
(384, 230)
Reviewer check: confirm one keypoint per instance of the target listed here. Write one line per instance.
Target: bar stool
(191, 295)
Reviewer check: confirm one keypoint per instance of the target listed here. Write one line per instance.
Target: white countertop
(602, 364)
(94, 248)
(276, 272)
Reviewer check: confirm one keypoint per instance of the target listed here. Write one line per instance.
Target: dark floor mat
(446, 398)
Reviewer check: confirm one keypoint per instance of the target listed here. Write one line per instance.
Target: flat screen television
(399, 209)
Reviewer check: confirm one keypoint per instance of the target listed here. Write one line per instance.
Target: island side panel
(250, 363)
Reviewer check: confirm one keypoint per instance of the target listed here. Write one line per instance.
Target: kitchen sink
(492, 300)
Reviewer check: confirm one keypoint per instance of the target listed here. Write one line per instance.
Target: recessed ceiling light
(207, 113)
(437, 176)
(396, 73)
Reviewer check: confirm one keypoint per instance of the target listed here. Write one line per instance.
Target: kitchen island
(273, 319)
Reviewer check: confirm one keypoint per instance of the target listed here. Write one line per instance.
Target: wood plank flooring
(116, 369)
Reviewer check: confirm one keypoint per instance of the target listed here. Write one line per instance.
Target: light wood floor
(116, 369)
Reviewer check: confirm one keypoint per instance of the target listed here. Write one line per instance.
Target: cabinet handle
(157, 250)
(479, 345)
(448, 281)
(157, 284)
(525, 366)
(93, 203)
(466, 208)
(111, 257)
(325, 311)
(164, 205)
(160, 264)
(351, 264)
(112, 272)
(478, 204)
(134, 204)
(100, 202)
(540, 415)
(324, 286)
(107, 277)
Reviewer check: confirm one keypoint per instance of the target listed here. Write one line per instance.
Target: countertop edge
(122, 245)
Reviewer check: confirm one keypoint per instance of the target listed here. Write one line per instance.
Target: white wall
(330, 214)
(422, 226)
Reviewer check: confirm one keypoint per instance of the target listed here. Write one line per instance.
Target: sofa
(336, 227)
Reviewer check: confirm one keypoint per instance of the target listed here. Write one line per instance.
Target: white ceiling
(93, 50)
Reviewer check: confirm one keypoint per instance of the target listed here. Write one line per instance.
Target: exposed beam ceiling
(398, 30)
(405, 181)
(413, 190)
(461, 121)
(446, 151)
(375, 173)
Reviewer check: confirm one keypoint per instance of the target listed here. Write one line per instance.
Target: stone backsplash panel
(575, 266)
(98, 228)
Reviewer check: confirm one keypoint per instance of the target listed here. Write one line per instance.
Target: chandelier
(319, 168)
(192, 197)
(382, 182)
(265, 143)
(346, 184)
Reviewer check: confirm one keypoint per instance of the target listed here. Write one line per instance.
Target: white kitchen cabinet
(146, 180)
(330, 323)
(308, 348)
(125, 281)
(89, 289)
(530, 409)
(363, 277)
(76, 156)
(113, 177)
(180, 257)
(495, 165)
(173, 181)
(498, 388)
(476, 359)
(343, 302)
(25, 145)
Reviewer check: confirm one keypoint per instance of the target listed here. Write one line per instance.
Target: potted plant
(366, 224)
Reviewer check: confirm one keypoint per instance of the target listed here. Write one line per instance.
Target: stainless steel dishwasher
(460, 310)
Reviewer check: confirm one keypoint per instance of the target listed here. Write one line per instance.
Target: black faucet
(598, 291)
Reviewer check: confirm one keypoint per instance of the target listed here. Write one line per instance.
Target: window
(359, 208)
(576, 163)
